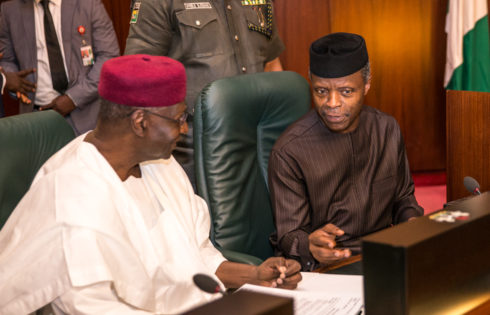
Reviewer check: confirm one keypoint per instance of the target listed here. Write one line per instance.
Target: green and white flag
(468, 46)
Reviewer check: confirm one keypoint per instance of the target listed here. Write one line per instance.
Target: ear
(139, 122)
(367, 86)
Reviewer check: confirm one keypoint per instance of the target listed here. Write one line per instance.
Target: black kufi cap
(338, 55)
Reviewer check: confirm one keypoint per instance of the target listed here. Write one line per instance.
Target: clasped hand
(62, 104)
(279, 272)
(322, 244)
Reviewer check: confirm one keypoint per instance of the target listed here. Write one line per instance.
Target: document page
(327, 306)
(321, 294)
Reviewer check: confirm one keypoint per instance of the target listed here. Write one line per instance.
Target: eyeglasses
(181, 120)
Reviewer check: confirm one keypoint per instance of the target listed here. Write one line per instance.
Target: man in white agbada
(110, 224)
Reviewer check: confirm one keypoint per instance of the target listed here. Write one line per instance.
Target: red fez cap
(142, 81)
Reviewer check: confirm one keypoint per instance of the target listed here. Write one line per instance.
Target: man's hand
(16, 82)
(23, 98)
(279, 272)
(322, 244)
(62, 104)
(273, 65)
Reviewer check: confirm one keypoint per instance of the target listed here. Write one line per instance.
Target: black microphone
(472, 185)
(207, 284)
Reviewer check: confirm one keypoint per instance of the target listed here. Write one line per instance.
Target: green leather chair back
(236, 122)
(26, 142)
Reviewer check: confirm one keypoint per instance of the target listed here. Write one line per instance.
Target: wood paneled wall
(406, 43)
(300, 23)
(120, 13)
(468, 141)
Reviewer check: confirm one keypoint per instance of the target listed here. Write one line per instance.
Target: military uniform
(213, 39)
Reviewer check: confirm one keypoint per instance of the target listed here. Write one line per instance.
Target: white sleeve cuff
(4, 82)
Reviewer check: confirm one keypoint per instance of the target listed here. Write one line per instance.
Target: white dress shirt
(44, 91)
(4, 82)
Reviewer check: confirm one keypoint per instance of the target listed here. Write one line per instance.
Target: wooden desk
(348, 266)
(482, 309)
(430, 266)
(246, 303)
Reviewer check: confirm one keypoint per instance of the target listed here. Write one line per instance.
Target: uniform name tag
(254, 2)
(197, 5)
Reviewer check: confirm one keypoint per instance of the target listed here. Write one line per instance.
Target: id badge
(87, 55)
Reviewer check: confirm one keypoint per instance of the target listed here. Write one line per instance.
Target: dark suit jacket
(18, 44)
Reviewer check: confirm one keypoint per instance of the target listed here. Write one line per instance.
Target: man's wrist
(71, 99)
(254, 273)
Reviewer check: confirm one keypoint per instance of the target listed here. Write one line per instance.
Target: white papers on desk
(321, 294)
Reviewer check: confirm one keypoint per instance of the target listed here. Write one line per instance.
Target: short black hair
(366, 72)
(110, 111)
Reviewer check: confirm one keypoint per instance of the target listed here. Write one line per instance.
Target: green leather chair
(236, 122)
(26, 142)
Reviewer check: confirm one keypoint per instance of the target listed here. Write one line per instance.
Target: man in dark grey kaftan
(341, 171)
